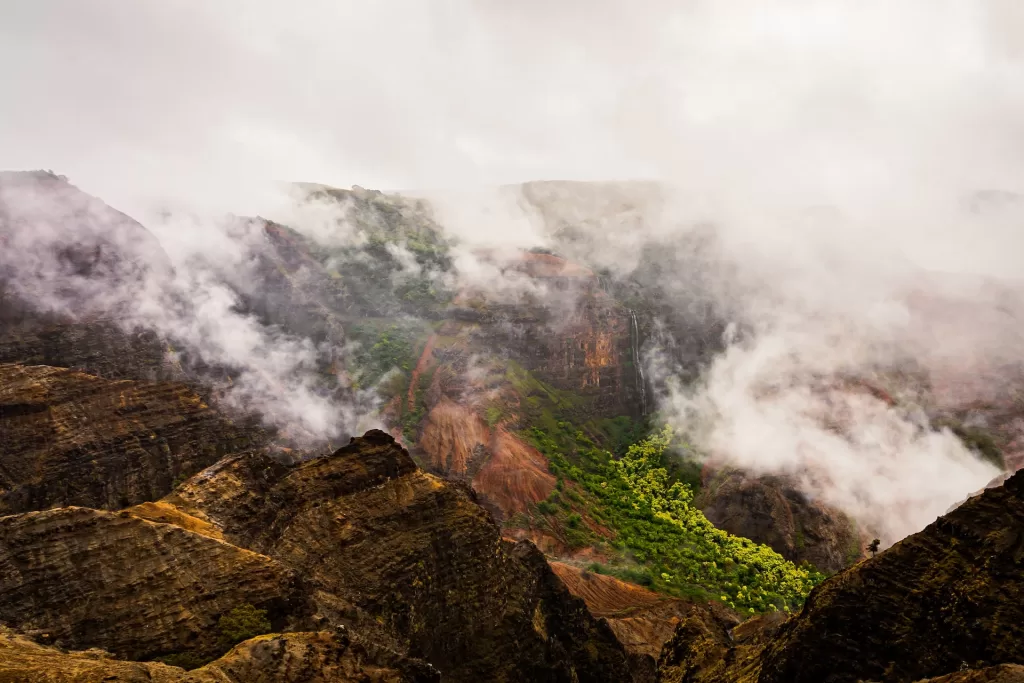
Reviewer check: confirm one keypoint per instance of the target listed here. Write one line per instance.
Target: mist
(846, 157)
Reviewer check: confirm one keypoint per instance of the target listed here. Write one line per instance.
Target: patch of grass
(493, 414)
(242, 623)
(383, 348)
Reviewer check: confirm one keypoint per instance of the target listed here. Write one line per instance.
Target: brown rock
(312, 658)
(772, 510)
(22, 660)
(1005, 673)
(944, 599)
(75, 439)
(642, 620)
(98, 347)
(404, 556)
(88, 578)
(279, 658)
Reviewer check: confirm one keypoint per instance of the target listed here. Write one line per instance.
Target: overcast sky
(847, 102)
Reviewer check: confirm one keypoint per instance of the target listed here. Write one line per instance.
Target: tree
(873, 547)
(242, 623)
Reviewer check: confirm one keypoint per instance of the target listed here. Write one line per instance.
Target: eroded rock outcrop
(1005, 673)
(772, 510)
(75, 439)
(317, 657)
(312, 657)
(87, 578)
(943, 600)
(402, 555)
(641, 619)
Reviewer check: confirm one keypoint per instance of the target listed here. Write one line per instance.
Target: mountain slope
(946, 598)
(88, 578)
(389, 549)
(317, 657)
(76, 439)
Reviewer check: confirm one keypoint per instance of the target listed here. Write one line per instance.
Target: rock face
(578, 339)
(88, 578)
(23, 660)
(641, 619)
(75, 439)
(1005, 673)
(942, 600)
(316, 657)
(362, 538)
(322, 657)
(99, 348)
(393, 551)
(771, 510)
(68, 264)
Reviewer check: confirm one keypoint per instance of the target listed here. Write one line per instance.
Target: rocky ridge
(943, 600)
(313, 657)
(75, 439)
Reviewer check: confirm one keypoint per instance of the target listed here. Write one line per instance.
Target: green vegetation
(981, 442)
(242, 623)
(397, 264)
(383, 348)
(655, 523)
(238, 625)
(640, 576)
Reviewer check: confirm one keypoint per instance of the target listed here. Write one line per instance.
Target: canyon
(459, 539)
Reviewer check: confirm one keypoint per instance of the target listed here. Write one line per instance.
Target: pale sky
(855, 103)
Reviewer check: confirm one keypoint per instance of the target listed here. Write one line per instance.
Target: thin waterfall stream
(640, 381)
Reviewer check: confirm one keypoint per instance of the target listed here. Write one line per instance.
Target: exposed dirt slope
(515, 476)
(509, 474)
(641, 619)
(605, 596)
(454, 437)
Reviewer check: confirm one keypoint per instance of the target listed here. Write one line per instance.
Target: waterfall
(640, 382)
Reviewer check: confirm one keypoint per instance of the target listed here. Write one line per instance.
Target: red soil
(515, 476)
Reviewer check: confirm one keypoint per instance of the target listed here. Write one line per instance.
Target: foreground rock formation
(390, 549)
(87, 578)
(361, 538)
(641, 619)
(316, 657)
(75, 439)
(943, 600)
